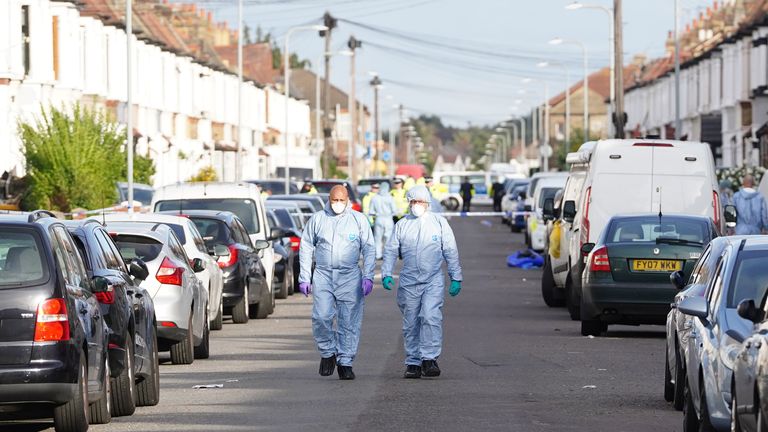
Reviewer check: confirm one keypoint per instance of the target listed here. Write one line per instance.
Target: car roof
(754, 242)
(165, 218)
(203, 190)
(157, 231)
(698, 218)
(211, 214)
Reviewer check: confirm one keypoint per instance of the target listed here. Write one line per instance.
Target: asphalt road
(509, 363)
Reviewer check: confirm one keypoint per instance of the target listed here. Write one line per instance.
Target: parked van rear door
(682, 179)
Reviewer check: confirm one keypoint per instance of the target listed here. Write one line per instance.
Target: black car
(244, 276)
(129, 312)
(285, 267)
(53, 338)
(292, 239)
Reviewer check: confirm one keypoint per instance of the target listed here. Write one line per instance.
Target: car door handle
(748, 345)
(83, 311)
(758, 344)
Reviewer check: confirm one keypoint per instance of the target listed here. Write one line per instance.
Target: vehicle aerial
(749, 405)
(325, 186)
(292, 240)
(242, 199)
(285, 266)
(678, 325)
(514, 201)
(181, 300)
(186, 232)
(276, 186)
(245, 278)
(129, 313)
(667, 176)
(557, 268)
(141, 192)
(364, 185)
(53, 343)
(536, 224)
(479, 179)
(718, 331)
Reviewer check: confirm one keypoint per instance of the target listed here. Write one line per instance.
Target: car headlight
(729, 350)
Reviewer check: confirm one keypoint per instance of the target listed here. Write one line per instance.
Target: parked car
(364, 185)
(181, 300)
(284, 267)
(678, 325)
(242, 199)
(293, 230)
(671, 177)
(749, 405)
(294, 211)
(309, 205)
(141, 193)
(536, 230)
(325, 186)
(512, 203)
(186, 232)
(245, 277)
(276, 186)
(53, 338)
(129, 313)
(718, 331)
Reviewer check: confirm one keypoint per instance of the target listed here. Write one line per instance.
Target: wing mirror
(677, 279)
(277, 233)
(694, 306)
(730, 214)
(261, 244)
(586, 248)
(528, 208)
(101, 284)
(749, 311)
(569, 211)
(197, 265)
(548, 210)
(138, 269)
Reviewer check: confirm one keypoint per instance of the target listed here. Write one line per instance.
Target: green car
(627, 274)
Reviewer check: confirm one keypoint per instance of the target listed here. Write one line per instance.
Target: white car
(193, 244)
(546, 189)
(528, 203)
(243, 199)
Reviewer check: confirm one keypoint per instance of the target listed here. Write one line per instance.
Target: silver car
(718, 331)
(181, 300)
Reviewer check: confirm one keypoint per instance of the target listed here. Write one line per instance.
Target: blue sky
(461, 59)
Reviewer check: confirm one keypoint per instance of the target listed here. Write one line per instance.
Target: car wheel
(704, 423)
(124, 385)
(549, 291)
(99, 411)
(203, 351)
(572, 301)
(241, 311)
(679, 382)
(690, 420)
(283, 294)
(148, 390)
(289, 280)
(452, 204)
(218, 322)
(669, 386)
(592, 327)
(182, 351)
(262, 309)
(73, 415)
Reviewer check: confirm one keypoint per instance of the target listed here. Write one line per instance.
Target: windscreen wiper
(674, 241)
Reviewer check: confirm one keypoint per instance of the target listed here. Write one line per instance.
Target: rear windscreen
(21, 258)
(749, 279)
(649, 230)
(143, 248)
(547, 193)
(179, 231)
(245, 209)
(213, 231)
(284, 218)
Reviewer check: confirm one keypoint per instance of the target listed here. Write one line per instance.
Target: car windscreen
(134, 246)
(245, 209)
(547, 193)
(21, 260)
(749, 279)
(214, 231)
(284, 219)
(652, 230)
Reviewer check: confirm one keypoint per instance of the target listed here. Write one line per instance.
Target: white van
(242, 199)
(529, 197)
(481, 180)
(546, 189)
(639, 176)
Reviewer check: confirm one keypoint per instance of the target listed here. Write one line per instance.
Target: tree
(74, 159)
(206, 174)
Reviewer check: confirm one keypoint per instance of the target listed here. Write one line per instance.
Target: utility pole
(129, 101)
(400, 136)
(677, 71)
(618, 50)
(330, 23)
(353, 44)
(376, 84)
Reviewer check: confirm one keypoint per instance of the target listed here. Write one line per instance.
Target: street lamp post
(585, 87)
(507, 144)
(545, 121)
(287, 71)
(376, 84)
(567, 101)
(522, 135)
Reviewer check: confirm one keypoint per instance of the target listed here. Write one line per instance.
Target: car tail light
(600, 261)
(169, 273)
(716, 207)
(356, 206)
(52, 321)
(295, 243)
(167, 324)
(106, 297)
(584, 229)
(229, 260)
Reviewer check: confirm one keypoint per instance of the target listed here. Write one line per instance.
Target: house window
(25, 39)
(55, 51)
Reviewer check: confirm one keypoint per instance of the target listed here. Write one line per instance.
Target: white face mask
(338, 207)
(418, 210)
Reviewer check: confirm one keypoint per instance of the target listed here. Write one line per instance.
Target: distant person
(366, 204)
(434, 192)
(752, 217)
(466, 190)
(726, 193)
(381, 210)
(497, 192)
(398, 194)
(308, 188)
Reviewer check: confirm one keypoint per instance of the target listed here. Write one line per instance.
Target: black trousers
(465, 205)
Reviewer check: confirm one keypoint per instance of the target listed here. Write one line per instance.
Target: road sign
(369, 137)
(386, 156)
(545, 150)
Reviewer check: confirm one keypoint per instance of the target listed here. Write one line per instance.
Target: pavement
(509, 364)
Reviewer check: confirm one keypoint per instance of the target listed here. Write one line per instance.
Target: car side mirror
(220, 250)
(100, 284)
(527, 208)
(694, 306)
(730, 214)
(548, 210)
(197, 265)
(261, 244)
(749, 311)
(586, 248)
(677, 279)
(138, 269)
(277, 233)
(569, 211)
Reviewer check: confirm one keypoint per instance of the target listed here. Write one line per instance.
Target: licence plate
(649, 265)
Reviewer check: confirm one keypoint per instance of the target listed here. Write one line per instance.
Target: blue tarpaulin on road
(525, 259)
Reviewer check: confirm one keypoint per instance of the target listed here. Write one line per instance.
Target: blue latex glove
(455, 288)
(367, 286)
(305, 288)
(388, 283)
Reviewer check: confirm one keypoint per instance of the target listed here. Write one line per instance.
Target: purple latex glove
(305, 288)
(367, 286)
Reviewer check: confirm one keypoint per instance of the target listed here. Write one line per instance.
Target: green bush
(73, 160)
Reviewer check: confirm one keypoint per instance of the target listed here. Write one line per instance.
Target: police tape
(486, 214)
